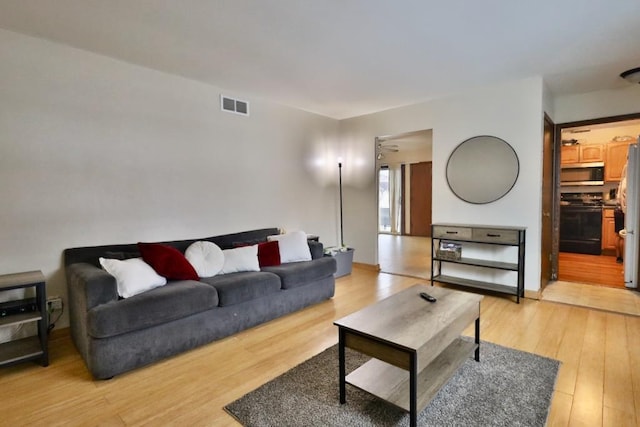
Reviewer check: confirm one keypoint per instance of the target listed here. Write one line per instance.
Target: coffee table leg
(477, 340)
(413, 390)
(343, 391)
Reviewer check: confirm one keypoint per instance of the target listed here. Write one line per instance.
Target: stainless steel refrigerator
(632, 218)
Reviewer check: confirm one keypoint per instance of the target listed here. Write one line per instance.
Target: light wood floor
(598, 383)
(585, 280)
(592, 281)
(590, 269)
(606, 298)
(405, 255)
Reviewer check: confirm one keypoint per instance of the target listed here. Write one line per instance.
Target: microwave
(582, 174)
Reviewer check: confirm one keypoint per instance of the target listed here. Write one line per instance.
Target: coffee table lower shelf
(391, 383)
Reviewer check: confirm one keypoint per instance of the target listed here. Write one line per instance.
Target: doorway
(403, 165)
(595, 143)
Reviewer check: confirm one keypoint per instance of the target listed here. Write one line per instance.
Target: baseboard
(537, 295)
(609, 252)
(368, 267)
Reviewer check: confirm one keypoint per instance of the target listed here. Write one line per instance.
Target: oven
(581, 229)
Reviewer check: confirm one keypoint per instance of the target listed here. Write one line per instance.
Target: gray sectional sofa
(115, 335)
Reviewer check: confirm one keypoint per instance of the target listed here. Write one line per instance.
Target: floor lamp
(340, 184)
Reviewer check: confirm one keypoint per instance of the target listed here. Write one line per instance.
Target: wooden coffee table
(415, 345)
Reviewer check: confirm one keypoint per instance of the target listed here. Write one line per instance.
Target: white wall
(512, 111)
(97, 151)
(594, 105)
(547, 102)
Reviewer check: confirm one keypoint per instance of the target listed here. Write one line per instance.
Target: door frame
(556, 200)
(544, 281)
(376, 166)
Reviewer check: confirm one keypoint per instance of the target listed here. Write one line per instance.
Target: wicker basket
(449, 250)
(450, 255)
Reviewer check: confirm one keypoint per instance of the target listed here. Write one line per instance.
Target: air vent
(234, 105)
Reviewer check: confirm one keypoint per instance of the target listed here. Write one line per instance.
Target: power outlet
(54, 303)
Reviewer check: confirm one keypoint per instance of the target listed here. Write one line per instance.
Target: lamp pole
(340, 183)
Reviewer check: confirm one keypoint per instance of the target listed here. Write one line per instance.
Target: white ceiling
(409, 141)
(343, 58)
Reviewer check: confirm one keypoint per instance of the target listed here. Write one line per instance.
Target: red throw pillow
(167, 261)
(268, 254)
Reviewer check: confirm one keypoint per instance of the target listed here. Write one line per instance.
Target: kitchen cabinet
(570, 154)
(615, 160)
(608, 230)
(582, 153)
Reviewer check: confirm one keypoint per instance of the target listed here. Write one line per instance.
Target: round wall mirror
(482, 169)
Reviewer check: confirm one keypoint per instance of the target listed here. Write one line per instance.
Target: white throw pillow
(293, 246)
(244, 258)
(133, 276)
(205, 257)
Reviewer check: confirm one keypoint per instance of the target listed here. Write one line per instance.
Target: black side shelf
(22, 312)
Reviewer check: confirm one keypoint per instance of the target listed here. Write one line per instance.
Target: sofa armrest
(90, 286)
(316, 248)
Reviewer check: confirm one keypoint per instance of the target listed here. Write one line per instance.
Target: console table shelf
(478, 235)
(34, 347)
(488, 286)
(483, 263)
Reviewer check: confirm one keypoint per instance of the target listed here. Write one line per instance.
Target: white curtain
(395, 198)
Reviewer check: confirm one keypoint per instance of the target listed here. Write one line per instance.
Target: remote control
(427, 297)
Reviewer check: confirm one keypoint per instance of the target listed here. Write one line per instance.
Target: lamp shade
(632, 75)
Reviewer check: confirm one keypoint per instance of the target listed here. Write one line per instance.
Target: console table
(464, 234)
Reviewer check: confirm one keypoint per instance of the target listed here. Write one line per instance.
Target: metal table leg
(413, 390)
(477, 355)
(343, 391)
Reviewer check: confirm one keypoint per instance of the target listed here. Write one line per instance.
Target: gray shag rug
(506, 388)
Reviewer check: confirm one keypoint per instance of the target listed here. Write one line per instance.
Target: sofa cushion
(235, 288)
(167, 261)
(122, 255)
(302, 273)
(206, 257)
(293, 246)
(133, 275)
(173, 301)
(269, 254)
(316, 249)
(244, 258)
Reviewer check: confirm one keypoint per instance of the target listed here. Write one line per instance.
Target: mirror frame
(459, 192)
